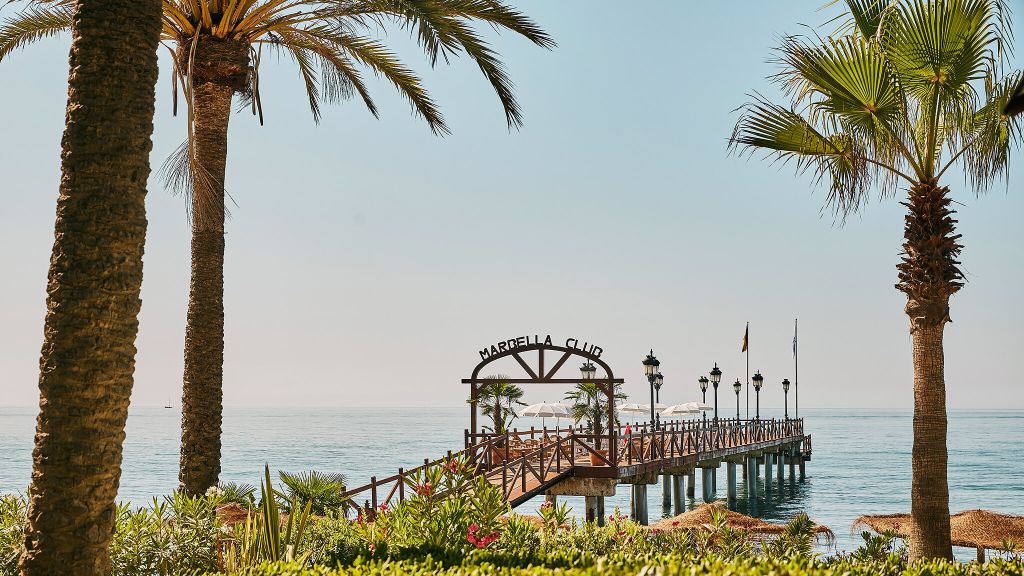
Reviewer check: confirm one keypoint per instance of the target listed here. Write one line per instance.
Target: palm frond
(787, 136)
(34, 23)
(993, 135)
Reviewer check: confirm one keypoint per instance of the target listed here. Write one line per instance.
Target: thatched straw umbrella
(702, 517)
(981, 529)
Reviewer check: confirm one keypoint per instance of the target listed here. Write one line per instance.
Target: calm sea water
(861, 461)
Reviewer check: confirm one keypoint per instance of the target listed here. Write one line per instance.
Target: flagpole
(796, 372)
(748, 370)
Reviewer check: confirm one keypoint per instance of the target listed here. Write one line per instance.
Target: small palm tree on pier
(497, 401)
(908, 89)
(590, 405)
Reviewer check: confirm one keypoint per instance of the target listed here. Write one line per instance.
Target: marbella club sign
(523, 341)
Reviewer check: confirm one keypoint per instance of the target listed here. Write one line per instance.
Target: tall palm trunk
(88, 355)
(929, 275)
(220, 69)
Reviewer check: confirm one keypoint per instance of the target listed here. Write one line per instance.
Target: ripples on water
(861, 461)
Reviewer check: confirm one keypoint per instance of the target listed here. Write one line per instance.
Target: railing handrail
(673, 439)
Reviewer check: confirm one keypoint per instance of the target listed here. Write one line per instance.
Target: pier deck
(528, 463)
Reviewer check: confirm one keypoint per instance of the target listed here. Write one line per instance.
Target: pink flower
(383, 507)
(675, 522)
(425, 489)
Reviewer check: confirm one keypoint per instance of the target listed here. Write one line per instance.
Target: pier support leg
(708, 484)
(767, 473)
(640, 503)
(792, 468)
(730, 475)
(666, 490)
(600, 511)
(677, 493)
(803, 472)
(691, 480)
(590, 503)
(751, 479)
(780, 474)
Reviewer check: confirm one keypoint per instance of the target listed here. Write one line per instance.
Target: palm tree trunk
(929, 274)
(215, 80)
(88, 354)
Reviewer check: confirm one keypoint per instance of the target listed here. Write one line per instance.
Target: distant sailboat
(168, 403)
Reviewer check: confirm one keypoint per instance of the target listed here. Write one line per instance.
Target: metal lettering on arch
(541, 360)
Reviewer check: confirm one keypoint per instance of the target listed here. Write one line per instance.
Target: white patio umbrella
(658, 407)
(686, 409)
(632, 408)
(700, 406)
(545, 410)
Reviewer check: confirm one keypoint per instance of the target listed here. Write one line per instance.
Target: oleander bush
(455, 523)
(663, 565)
(13, 511)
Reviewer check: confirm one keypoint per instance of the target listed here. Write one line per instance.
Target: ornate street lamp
(651, 371)
(758, 382)
(785, 390)
(716, 377)
(703, 381)
(658, 381)
(588, 371)
(737, 386)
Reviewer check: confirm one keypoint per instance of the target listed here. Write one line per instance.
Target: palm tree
(88, 355)
(217, 47)
(907, 89)
(590, 404)
(498, 400)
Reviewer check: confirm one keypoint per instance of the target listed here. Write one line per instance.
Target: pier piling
(677, 493)
(730, 475)
(708, 484)
(666, 490)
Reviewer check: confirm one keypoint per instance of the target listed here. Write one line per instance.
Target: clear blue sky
(368, 261)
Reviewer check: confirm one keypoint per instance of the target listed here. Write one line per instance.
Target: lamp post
(651, 371)
(737, 386)
(785, 390)
(703, 381)
(587, 371)
(658, 381)
(758, 382)
(716, 377)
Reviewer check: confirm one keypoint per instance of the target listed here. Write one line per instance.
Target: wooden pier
(528, 463)
(570, 461)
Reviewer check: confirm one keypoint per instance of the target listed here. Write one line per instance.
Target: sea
(860, 463)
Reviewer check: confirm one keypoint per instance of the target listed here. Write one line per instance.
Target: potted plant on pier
(590, 405)
(497, 401)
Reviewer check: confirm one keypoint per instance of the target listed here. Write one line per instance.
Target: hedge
(657, 566)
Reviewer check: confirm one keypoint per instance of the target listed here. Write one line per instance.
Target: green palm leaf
(34, 23)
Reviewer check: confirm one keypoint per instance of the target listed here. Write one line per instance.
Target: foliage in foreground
(665, 565)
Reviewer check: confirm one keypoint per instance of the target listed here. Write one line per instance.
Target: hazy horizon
(368, 261)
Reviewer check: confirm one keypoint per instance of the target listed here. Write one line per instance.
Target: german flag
(746, 333)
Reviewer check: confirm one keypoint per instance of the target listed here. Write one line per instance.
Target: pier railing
(523, 462)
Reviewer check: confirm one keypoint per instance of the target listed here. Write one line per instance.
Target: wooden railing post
(401, 485)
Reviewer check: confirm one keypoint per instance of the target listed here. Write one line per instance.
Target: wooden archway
(538, 373)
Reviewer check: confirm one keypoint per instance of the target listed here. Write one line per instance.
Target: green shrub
(176, 536)
(622, 565)
(322, 492)
(13, 515)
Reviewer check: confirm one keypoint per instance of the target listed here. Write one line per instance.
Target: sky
(369, 261)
